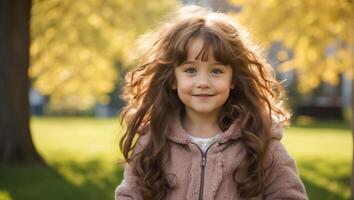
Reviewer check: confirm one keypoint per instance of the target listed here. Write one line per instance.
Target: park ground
(83, 160)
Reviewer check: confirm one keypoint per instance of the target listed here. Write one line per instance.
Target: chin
(204, 111)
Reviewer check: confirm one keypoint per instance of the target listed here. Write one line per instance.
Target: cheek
(223, 86)
(183, 93)
(184, 86)
(183, 90)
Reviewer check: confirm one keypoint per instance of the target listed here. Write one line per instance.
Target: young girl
(204, 117)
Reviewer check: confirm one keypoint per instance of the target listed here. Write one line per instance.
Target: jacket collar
(178, 134)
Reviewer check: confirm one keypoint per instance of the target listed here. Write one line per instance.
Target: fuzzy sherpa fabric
(184, 171)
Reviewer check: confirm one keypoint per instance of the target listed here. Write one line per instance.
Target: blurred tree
(318, 32)
(76, 43)
(15, 138)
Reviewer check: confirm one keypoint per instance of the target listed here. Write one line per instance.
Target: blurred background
(62, 64)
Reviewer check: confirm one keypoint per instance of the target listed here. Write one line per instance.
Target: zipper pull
(203, 161)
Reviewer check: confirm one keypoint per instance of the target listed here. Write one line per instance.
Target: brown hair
(150, 99)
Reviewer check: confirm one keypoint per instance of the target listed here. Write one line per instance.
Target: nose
(203, 81)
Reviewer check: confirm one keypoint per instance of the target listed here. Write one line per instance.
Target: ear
(232, 86)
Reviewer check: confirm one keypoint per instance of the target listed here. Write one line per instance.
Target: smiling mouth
(203, 95)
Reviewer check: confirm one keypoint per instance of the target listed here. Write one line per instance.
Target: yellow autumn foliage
(75, 45)
(319, 34)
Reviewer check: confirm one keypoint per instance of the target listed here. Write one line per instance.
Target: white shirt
(203, 143)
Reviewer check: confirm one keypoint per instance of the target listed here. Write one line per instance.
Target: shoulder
(276, 152)
(276, 147)
(278, 156)
(282, 179)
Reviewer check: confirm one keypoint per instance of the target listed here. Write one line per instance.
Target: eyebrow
(214, 63)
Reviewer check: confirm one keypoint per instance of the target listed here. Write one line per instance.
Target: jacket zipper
(203, 163)
(201, 188)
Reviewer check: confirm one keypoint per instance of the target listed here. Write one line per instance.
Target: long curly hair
(255, 100)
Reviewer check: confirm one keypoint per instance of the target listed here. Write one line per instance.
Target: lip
(203, 96)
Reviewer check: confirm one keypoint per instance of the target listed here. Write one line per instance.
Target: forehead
(198, 49)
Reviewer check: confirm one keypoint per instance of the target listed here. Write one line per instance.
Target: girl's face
(203, 87)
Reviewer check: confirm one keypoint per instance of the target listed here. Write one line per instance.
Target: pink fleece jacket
(196, 176)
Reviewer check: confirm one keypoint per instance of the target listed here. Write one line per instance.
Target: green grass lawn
(82, 152)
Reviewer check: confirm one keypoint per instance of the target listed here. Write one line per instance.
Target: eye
(190, 70)
(216, 71)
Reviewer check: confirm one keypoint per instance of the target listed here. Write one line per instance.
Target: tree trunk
(352, 122)
(15, 138)
(352, 125)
